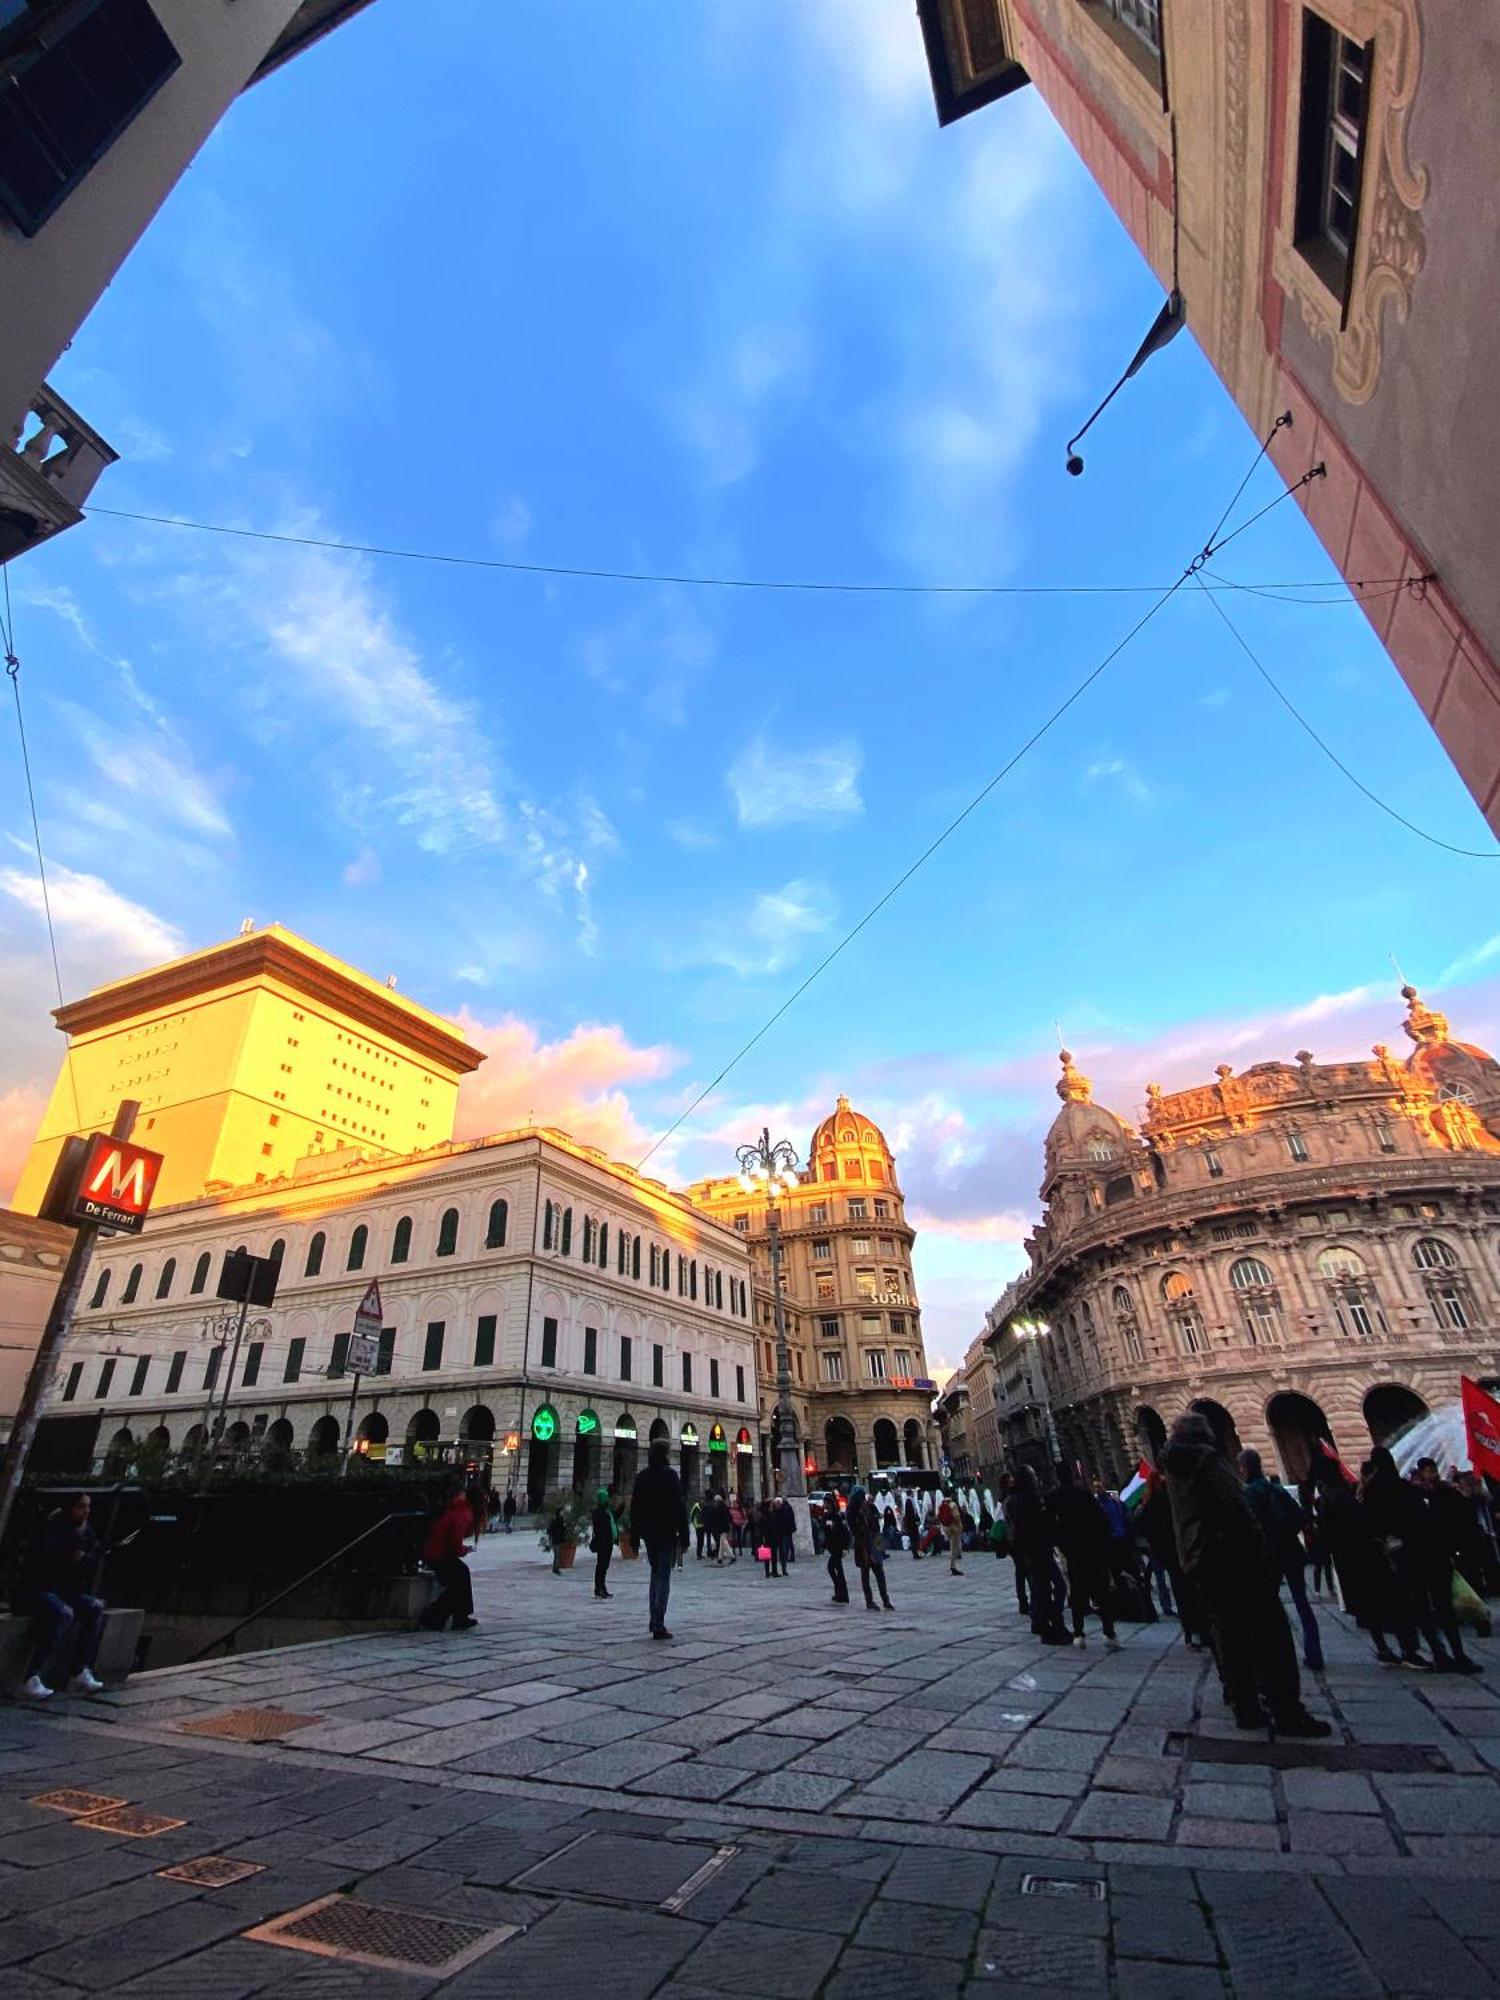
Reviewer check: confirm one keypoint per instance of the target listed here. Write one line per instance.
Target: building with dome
(861, 1390)
(1304, 1250)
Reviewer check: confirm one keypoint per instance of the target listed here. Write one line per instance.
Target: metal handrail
(228, 1638)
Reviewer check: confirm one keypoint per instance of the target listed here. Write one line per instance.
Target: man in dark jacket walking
(659, 1523)
(836, 1542)
(1083, 1537)
(602, 1540)
(1281, 1520)
(1224, 1555)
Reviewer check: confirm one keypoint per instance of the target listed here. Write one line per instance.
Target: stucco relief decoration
(1390, 246)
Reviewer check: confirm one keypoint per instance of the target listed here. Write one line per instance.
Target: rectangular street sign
(368, 1317)
(363, 1354)
(115, 1184)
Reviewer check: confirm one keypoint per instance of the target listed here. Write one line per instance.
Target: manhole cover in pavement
(378, 1935)
(76, 1803)
(249, 1725)
(1087, 1887)
(212, 1871)
(618, 1868)
(130, 1819)
(1289, 1754)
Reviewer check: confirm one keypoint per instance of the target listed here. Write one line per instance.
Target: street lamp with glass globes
(771, 1169)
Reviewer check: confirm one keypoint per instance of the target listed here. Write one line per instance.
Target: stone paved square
(575, 1779)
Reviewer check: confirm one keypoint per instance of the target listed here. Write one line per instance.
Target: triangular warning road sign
(367, 1319)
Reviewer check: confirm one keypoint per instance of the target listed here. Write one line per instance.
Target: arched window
(200, 1273)
(447, 1241)
(1455, 1093)
(315, 1251)
(132, 1286)
(1176, 1286)
(401, 1241)
(494, 1235)
(603, 1246)
(622, 1245)
(1101, 1149)
(718, 1291)
(1248, 1272)
(1429, 1254)
(277, 1252)
(101, 1290)
(635, 1257)
(565, 1243)
(1356, 1303)
(1260, 1302)
(358, 1243)
(1339, 1263)
(1121, 1300)
(589, 1229)
(549, 1226)
(164, 1280)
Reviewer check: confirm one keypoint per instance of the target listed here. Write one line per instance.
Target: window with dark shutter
(338, 1360)
(71, 80)
(432, 1349)
(549, 1343)
(174, 1371)
(484, 1341)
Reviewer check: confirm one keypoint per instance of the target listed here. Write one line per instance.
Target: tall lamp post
(771, 1169)
(1036, 1331)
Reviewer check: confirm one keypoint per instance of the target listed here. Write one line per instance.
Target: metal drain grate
(378, 1935)
(130, 1819)
(673, 1905)
(1087, 1887)
(249, 1725)
(76, 1803)
(1288, 1754)
(212, 1871)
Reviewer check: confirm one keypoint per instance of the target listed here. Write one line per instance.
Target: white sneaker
(36, 1689)
(87, 1682)
(1113, 1646)
(1080, 1641)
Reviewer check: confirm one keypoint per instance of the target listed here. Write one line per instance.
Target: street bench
(122, 1632)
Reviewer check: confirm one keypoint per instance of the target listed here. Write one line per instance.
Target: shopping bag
(1468, 1607)
(762, 1554)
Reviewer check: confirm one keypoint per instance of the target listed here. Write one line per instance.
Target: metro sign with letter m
(116, 1184)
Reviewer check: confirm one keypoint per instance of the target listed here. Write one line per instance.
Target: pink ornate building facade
(1306, 1249)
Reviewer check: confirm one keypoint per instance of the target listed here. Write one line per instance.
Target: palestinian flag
(1134, 1493)
(1327, 1450)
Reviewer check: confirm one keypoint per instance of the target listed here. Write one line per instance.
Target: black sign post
(59, 1319)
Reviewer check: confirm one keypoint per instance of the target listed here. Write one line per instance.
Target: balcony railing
(47, 471)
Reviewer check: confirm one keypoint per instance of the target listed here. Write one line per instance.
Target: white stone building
(532, 1292)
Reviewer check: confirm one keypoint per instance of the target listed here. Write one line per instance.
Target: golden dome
(848, 1146)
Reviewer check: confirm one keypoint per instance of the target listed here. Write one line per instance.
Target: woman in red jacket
(443, 1553)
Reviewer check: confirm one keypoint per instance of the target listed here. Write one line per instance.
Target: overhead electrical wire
(1191, 572)
(1434, 840)
(835, 587)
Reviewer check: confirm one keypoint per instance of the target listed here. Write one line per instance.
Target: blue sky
(707, 295)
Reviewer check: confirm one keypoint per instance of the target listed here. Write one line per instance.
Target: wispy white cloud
(1122, 776)
(364, 870)
(512, 523)
(777, 787)
(155, 767)
(691, 834)
(1470, 961)
(91, 916)
(768, 936)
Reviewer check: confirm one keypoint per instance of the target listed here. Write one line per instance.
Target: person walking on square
(950, 1520)
(1225, 1556)
(659, 1523)
(1032, 1539)
(836, 1543)
(557, 1535)
(1414, 1541)
(443, 1553)
(53, 1590)
(911, 1522)
(783, 1531)
(1082, 1535)
(509, 1510)
(869, 1556)
(1281, 1522)
(602, 1540)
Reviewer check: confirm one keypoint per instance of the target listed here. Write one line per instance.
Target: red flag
(1482, 1422)
(1328, 1452)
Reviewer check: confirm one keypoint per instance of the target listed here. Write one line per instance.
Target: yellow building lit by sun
(246, 1057)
